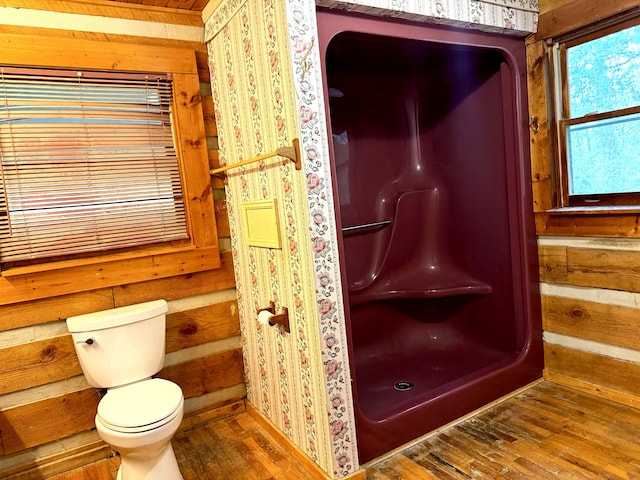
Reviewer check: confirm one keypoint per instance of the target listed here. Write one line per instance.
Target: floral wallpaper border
(221, 16)
(324, 244)
(512, 17)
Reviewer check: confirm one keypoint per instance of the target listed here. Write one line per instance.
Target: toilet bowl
(138, 421)
(120, 349)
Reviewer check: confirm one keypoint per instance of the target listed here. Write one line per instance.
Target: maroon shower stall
(430, 161)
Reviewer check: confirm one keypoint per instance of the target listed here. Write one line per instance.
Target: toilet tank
(122, 345)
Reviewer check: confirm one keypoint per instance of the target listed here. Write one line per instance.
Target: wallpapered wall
(255, 102)
(267, 87)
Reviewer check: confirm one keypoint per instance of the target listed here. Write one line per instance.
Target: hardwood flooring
(231, 448)
(545, 432)
(234, 448)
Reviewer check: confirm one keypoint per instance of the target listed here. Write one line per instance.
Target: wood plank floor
(231, 448)
(545, 432)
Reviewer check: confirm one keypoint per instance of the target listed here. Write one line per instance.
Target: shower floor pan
(414, 364)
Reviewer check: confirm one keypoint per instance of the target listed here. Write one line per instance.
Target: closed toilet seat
(141, 406)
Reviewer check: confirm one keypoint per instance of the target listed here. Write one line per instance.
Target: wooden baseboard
(285, 442)
(65, 461)
(593, 389)
(208, 414)
(59, 463)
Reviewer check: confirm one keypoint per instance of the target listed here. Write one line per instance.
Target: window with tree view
(599, 117)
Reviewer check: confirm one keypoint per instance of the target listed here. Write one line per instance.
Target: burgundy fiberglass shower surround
(438, 254)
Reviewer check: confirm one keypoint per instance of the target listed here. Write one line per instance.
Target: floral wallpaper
(267, 86)
(300, 380)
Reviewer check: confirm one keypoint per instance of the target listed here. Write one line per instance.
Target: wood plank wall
(589, 264)
(46, 407)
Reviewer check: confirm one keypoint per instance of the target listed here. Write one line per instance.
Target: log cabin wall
(589, 264)
(46, 407)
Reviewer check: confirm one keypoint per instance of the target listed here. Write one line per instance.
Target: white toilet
(120, 349)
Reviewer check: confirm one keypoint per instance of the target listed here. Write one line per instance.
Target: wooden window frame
(143, 263)
(125, 196)
(599, 203)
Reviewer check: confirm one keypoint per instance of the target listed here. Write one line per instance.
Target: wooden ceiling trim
(101, 37)
(195, 5)
(113, 9)
(17, 49)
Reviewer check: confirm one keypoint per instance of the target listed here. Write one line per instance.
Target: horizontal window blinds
(88, 163)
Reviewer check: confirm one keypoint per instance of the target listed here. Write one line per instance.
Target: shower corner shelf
(433, 292)
(455, 291)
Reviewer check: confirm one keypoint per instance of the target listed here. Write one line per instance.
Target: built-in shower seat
(420, 260)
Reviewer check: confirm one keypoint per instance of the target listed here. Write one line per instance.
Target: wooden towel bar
(292, 153)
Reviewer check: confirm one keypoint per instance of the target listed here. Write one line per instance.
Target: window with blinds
(87, 163)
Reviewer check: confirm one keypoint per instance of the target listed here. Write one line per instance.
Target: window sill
(96, 260)
(60, 278)
(596, 210)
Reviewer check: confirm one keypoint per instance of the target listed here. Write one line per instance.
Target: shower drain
(403, 386)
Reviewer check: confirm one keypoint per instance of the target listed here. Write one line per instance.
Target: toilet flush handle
(88, 341)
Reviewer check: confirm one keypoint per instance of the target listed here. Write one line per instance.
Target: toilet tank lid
(116, 316)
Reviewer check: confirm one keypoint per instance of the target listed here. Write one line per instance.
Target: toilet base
(146, 455)
(135, 466)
